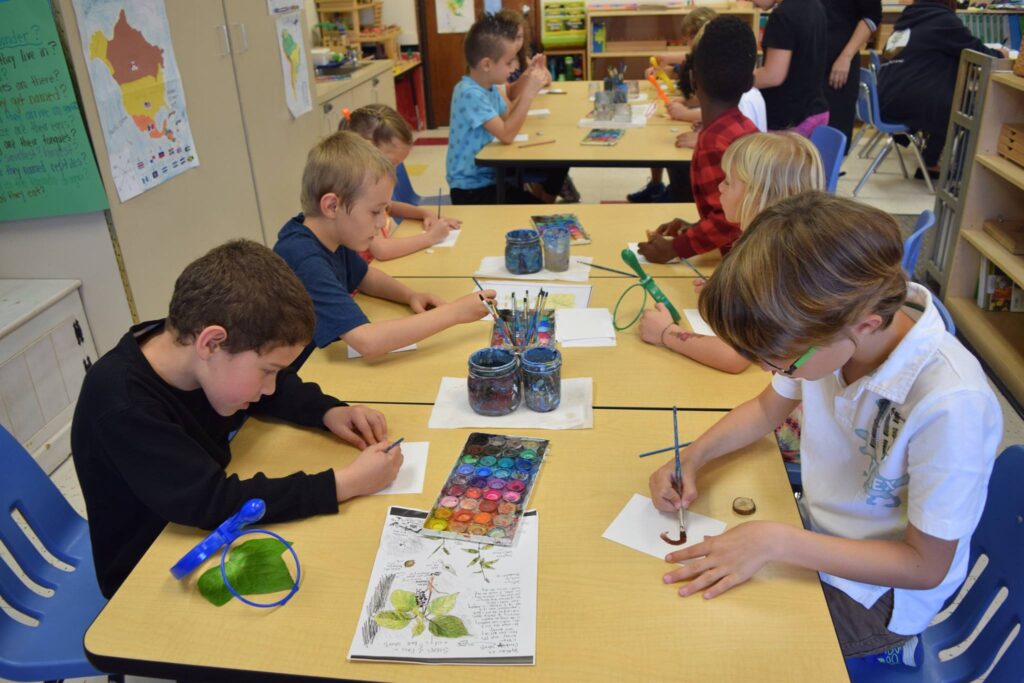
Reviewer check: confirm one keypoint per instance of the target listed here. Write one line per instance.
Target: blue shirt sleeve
(330, 285)
(480, 106)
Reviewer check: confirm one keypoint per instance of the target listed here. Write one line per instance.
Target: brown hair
(806, 268)
(511, 20)
(694, 21)
(378, 123)
(486, 38)
(248, 290)
(343, 163)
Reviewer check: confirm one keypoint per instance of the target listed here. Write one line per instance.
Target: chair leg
(915, 146)
(858, 136)
(874, 164)
(872, 143)
(903, 164)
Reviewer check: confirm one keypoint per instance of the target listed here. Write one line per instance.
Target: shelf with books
(1011, 264)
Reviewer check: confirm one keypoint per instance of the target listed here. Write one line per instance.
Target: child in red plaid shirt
(723, 62)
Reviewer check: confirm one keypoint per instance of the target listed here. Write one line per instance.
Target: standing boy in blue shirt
(480, 114)
(346, 189)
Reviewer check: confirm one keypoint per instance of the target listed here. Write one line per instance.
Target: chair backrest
(874, 60)
(831, 144)
(28, 490)
(870, 80)
(404, 191)
(947, 319)
(912, 245)
(863, 110)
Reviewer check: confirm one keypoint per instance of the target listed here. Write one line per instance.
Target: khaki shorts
(861, 631)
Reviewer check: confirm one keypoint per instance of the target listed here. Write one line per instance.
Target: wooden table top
(603, 612)
(639, 147)
(631, 374)
(611, 226)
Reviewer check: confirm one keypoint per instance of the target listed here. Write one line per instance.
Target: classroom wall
(75, 247)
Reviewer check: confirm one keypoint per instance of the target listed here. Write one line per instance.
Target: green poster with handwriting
(47, 167)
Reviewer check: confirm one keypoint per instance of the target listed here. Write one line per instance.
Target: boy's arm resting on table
(296, 401)
(712, 231)
(388, 248)
(775, 69)
(656, 327)
(182, 482)
(742, 426)
(379, 284)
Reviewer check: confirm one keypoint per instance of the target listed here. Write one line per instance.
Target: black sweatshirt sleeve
(296, 401)
(954, 37)
(181, 482)
(871, 11)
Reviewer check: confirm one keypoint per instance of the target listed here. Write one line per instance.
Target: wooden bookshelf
(994, 188)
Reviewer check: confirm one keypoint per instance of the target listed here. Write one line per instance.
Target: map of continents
(293, 52)
(137, 66)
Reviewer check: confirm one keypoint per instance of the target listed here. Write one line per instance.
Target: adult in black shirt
(793, 76)
(915, 86)
(850, 24)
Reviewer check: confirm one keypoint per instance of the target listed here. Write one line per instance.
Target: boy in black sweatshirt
(150, 432)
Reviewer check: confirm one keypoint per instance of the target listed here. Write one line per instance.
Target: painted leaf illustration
(418, 628)
(404, 601)
(253, 568)
(448, 627)
(442, 605)
(392, 619)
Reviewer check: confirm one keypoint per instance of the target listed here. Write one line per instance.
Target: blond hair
(378, 123)
(807, 268)
(344, 164)
(773, 166)
(694, 22)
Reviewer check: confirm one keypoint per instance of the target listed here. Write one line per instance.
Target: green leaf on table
(442, 605)
(404, 601)
(253, 568)
(392, 619)
(471, 551)
(418, 628)
(448, 627)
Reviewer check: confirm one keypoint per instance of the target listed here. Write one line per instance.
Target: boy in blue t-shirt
(346, 188)
(480, 114)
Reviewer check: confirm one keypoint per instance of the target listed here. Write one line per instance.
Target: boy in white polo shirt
(900, 426)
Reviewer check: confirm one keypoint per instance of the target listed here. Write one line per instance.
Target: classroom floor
(887, 190)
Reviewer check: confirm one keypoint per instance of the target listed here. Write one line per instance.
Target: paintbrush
(610, 270)
(477, 283)
(663, 450)
(499, 321)
(535, 144)
(679, 474)
(394, 444)
(693, 268)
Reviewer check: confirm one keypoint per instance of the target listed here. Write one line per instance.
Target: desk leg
(499, 173)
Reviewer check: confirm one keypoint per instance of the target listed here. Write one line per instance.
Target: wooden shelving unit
(992, 186)
(633, 36)
(358, 34)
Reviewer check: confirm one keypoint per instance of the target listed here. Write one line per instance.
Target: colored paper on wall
(138, 92)
(454, 16)
(47, 167)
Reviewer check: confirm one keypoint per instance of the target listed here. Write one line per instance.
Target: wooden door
(277, 142)
(162, 230)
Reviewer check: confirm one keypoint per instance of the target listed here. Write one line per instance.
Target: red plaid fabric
(712, 231)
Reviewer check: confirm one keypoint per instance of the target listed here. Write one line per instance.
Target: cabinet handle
(79, 337)
(245, 38)
(375, 82)
(328, 108)
(224, 40)
(86, 363)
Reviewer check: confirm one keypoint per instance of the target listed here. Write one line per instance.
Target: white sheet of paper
(635, 248)
(637, 121)
(576, 410)
(538, 112)
(414, 467)
(697, 323)
(352, 353)
(499, 613)
(584, 327)
(639, 526)
(450, 240)
(521, 137)
(579, 270)
(551, 91)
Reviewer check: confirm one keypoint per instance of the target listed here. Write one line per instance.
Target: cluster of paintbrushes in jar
(522, 331)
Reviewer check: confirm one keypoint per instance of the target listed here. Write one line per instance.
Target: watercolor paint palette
(602, 137)
(570, 221)
(545, 328)
(485, 495)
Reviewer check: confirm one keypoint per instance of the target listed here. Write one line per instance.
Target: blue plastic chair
(404, 191)
(875, 60)
(831, 143)
(867, 77)
(912, 245)
(944, 314)
(999, 537)
(53, 648)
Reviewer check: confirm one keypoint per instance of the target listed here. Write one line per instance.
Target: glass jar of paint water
(522, 251)
(556, 249)
(494, 382)
(542, 378)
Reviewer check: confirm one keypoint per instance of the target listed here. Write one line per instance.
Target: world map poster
(138, 92)
(293, 64)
